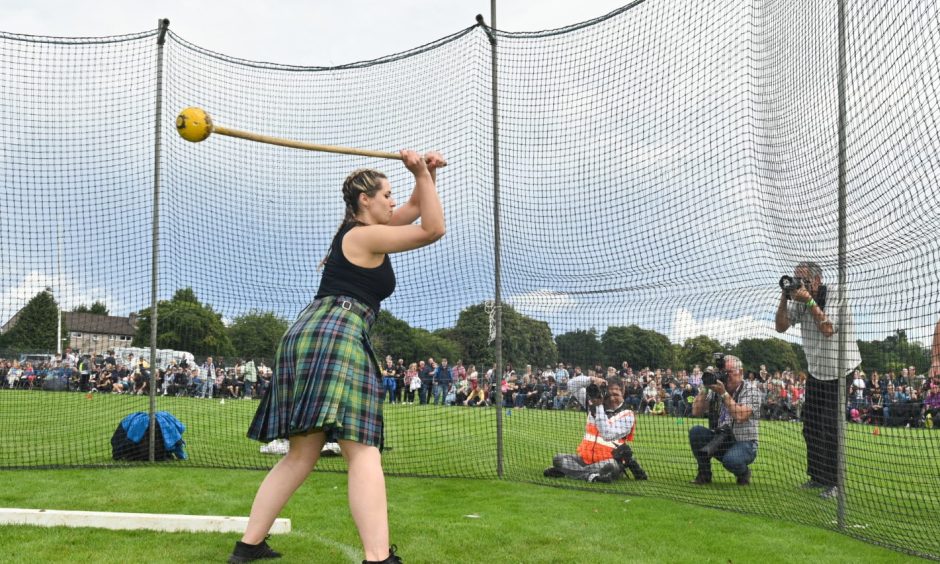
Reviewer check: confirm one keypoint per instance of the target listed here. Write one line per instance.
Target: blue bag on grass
(131, 439)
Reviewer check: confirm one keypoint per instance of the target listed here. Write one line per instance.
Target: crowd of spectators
(647, 391)
(895, 399)
(129, 375)
(901, 399)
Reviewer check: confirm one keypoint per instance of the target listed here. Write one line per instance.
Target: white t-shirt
(859, 384)
(822, 353)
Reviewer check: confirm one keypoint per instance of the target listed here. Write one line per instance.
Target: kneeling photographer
(733, 408)
(603, 454)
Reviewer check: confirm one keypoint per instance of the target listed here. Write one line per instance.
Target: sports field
(890, 467)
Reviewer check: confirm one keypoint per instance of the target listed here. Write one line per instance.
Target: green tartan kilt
(326, 377)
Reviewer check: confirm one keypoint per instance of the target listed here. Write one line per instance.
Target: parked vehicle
(164, 356)
(37, 359)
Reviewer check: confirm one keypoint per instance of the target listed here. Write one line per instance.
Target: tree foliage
(185, 324)
(524, 340)
(579, 348)
(472, 331)
(35, 329)
(698, 350)
(186, 295)
(257, 334)
(894, 353)
(541, 349)
(392, 336)
(436, 345)
(97, 308)
(640, 347)
(801, 355)
(776, 354)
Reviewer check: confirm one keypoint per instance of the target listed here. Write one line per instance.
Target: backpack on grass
(131, 438)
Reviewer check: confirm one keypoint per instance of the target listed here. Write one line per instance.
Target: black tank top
(343, 278)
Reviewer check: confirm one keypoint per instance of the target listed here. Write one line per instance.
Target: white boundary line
(132, 521)
(351, 552)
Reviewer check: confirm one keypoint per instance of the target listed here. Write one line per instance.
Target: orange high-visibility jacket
(594, 447)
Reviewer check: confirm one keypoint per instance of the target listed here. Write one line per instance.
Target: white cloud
(295, 32)
(15, 297)
(67, 292)
(724, 330)
(542, 302)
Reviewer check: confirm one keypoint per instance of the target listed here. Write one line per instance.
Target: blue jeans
(247, 390)
(204, 385)
(439, 391)
(735, 458)
(390, 386)
(206, 388)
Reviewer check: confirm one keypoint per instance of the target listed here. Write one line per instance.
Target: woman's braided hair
(366, 181)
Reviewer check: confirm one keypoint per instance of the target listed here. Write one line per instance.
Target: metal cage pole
(843, 290)
(497, 283)
(163, 25)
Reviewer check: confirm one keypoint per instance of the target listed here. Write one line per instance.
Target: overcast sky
(295, 32)
(697, 133)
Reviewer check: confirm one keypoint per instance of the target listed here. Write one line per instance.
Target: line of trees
(647, 348)
(529, 341)
(35, 328)
(97, 308)
(185, 323)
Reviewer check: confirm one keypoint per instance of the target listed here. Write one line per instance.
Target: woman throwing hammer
(326, 379)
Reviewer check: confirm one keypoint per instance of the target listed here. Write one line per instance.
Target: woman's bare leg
(281, 482)
(367, 499)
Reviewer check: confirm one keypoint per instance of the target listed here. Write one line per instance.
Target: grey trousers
(572, 466)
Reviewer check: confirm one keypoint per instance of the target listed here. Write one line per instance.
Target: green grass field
(432, 521)
(889, 498)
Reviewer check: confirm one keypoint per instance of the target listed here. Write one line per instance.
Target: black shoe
(553, 472)
(251, 552)
(811, 485)
(701, 479)
(745, 479)
(392, 557)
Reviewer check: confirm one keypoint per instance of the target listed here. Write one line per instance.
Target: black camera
(723, 439)
(790, 284)
(623, 454)
(716, 373)
(594, 392)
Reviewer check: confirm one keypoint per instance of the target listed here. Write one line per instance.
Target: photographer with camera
(803, 302)
(733, 408)
(603, 453)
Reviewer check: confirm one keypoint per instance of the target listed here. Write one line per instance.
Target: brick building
(89, 333)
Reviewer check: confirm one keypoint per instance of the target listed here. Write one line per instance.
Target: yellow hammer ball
(194, 124)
